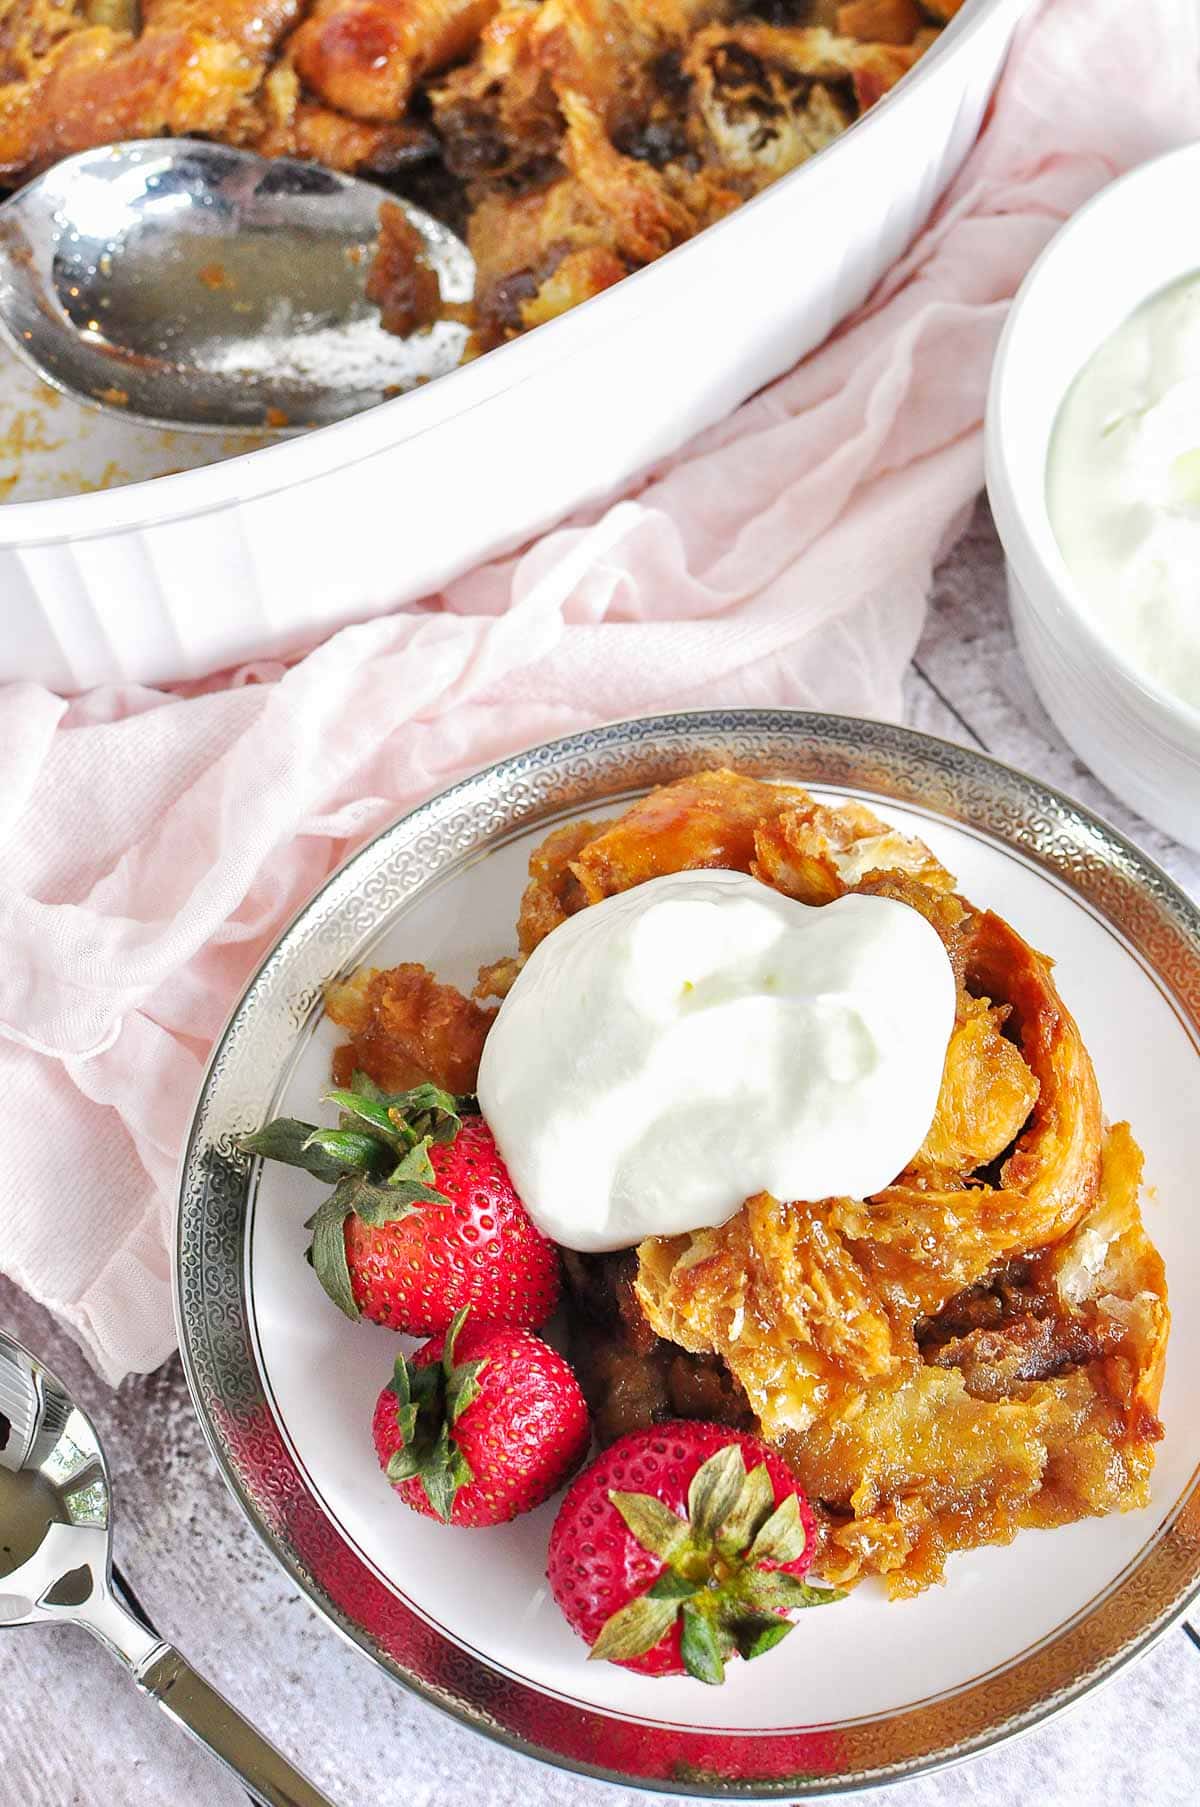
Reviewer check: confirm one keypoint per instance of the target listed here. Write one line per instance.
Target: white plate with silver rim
(285, 1386)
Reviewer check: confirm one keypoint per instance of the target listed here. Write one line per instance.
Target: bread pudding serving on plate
(973, 1346)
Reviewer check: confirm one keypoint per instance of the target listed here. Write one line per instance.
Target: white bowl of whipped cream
(1093, 471)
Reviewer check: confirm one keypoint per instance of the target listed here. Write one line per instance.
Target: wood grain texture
(209, 1584)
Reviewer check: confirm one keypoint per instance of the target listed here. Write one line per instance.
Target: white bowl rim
(1022, 544)
(266, 470)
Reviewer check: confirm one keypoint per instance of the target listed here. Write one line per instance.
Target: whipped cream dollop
(1123, 487)
(669, 1052)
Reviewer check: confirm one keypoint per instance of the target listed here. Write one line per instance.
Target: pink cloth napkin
(152, 844)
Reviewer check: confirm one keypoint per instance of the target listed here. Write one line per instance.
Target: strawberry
(682, 1546)
(481, 1424)
(423, 1218)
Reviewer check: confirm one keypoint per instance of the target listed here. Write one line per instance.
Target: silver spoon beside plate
(187, 284)
(56, 1567)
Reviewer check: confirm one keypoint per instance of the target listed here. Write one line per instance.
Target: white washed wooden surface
(209, 1584)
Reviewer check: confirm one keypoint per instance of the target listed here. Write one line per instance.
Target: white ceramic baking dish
(269, 550)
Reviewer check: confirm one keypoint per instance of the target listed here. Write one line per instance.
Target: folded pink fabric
(154, 843)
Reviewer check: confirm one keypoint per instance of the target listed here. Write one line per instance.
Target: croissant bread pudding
(571, 141)
(974, 1349)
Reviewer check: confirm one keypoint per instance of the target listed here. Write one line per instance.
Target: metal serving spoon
(56, 1565)
(190, 285)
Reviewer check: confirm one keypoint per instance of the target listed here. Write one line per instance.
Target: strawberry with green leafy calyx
(378, 1159)
(429, 1399)
(481, 1424)
(683, 1546)
(423, 1217)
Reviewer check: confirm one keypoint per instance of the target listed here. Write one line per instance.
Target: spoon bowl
(54, 1494)
(56, 1565)
(186, 284)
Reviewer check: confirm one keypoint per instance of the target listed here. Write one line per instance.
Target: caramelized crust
(988, 1092)
(497, 114)
(880, 21)
(778, 1293)
(405, 1029)
(1046, 1416)
(280, 122)
(29, 28)
(520, 241)
(603, 51)
(190, 70)
(643, 215)
(708, 819)
(364, 57)
(1055, 1166)
(766, 98)
(1109, 1268)
(815, 854)
(580, 275)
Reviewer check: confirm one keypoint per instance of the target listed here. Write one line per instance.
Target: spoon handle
(209, 1718)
